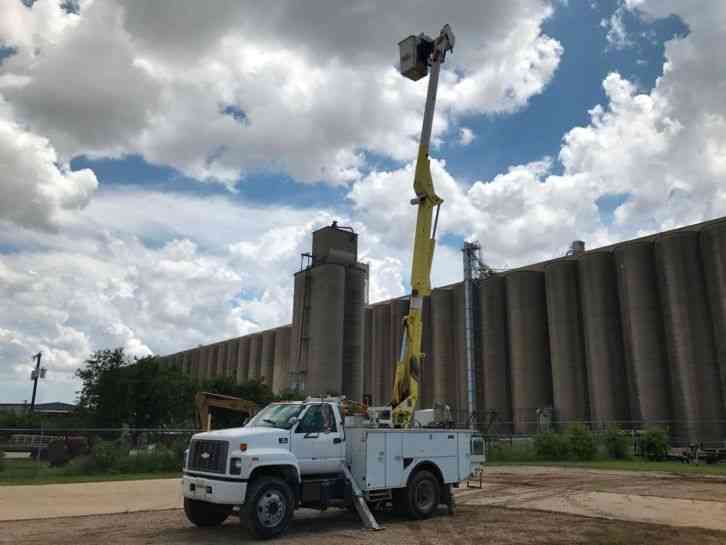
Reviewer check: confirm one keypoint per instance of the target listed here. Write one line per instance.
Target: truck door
(308, 441)
(332, 440)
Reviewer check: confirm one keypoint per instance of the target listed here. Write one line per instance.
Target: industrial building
(633, 333)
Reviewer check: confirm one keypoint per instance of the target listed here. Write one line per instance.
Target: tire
(423, 495)
(203, 514)
(268, 508)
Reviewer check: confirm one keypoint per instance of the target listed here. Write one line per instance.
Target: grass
(630, 465)
(26, 471)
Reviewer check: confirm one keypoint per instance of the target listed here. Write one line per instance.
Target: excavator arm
(408, 367)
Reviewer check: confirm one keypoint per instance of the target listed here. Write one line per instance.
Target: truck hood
(261, 437)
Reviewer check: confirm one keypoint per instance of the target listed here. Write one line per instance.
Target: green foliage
(2, 460)
(616, 443)
(551, 446)
(113, 457)
(290, 395)
(654, 444)
(517, 451)
(117, 391)
(160, 459)
(581, 444)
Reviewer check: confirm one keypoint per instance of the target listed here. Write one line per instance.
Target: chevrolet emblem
(205, 455)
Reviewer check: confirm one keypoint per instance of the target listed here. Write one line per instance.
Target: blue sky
(158, 195)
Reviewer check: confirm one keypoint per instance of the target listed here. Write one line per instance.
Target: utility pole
(37, 373)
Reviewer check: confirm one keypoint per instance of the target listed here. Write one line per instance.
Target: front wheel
(423, 495)
(268, 508)
(202, 513)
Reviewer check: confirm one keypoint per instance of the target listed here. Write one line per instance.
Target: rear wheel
(203, 513)
(268, 508)
(423, 495)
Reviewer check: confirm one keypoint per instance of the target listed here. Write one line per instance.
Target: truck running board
(369, 521)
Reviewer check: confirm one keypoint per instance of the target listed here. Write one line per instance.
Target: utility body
(304, 454)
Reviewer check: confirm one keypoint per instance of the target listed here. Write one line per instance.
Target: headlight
(235, 466)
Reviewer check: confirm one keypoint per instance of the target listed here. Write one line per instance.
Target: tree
(140, 393)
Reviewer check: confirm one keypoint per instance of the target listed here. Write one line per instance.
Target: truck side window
(313, 421)
(328, 419)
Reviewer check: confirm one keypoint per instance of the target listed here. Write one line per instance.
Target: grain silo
(690, 346)
(603, 339)
(567, 348)
(495, 391)
(530, 371)
(643, 336)
(267, 358)
(243, 360)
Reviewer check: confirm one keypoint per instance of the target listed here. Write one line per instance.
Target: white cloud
(617, 34)
(36, 185)
(312, 99)
(466, 136)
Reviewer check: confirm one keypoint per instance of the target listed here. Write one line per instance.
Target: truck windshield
(276, 416)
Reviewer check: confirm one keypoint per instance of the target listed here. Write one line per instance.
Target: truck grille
(208, 456)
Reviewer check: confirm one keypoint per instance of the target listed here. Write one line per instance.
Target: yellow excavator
(419, 55)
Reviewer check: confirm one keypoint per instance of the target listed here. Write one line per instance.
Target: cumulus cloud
(617, 34)
(245, 87)
(36, 185)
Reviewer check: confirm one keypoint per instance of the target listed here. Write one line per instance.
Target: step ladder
(359, 501)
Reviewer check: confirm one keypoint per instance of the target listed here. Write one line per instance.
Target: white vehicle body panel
(385, 458)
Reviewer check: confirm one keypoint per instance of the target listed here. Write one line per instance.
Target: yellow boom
(408, 367)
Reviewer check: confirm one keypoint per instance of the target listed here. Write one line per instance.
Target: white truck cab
(301, 454)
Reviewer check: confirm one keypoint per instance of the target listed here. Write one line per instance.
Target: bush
(581, 443)
(616, 443)
(654, 444)
(2, 460)
(551, 446)
(518, 451)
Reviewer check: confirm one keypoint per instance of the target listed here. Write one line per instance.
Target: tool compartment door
(394, 460)
(431, 445)
(376, 459)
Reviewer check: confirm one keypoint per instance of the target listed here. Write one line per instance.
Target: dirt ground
(471, 525)
(516, 505)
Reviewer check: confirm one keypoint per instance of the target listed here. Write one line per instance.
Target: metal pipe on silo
(243, 360)
(356, 285)
(327, 310)
(283, 338)
(531, 375)
(267, 358)
(567, 347)
(441, 362)
(697, 404)
(604, 355)
(713, 252)
(255, 362)
(495, 399)
(643, 336)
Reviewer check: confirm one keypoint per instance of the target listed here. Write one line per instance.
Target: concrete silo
(695, 380)
(643, 336)
(530, 371)
(713, 251)
(267, 359)
(367, 351)
(441, 362)
(567, 347)
(603, 339)
(280, 374)
(356, 298)
(243, 360)
(255, 361)
(495, 400)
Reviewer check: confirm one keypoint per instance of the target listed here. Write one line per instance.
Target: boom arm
(408, 367)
